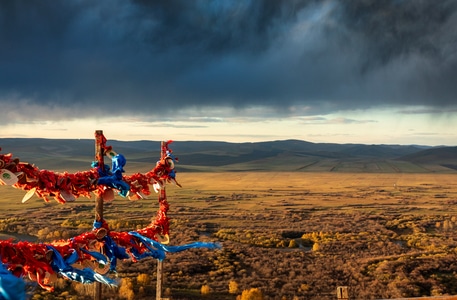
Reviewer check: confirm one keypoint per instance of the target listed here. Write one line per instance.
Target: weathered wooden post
(162, 196)
(99, 157)
(159, 279)
(342, 293)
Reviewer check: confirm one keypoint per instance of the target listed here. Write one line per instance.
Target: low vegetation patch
(288, 236)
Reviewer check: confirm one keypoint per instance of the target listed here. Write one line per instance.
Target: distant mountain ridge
(208, 156)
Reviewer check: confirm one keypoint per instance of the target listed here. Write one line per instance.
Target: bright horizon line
(369, 127)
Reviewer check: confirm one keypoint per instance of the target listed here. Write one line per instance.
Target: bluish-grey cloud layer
(154, 57)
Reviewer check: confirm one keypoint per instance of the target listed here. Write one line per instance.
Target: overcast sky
(355, 71)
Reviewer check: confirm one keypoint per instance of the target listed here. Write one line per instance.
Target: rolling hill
(445, 156)
(207, 156)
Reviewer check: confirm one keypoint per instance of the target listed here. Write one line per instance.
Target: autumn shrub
(126, 289)
(233, 287)
(143, 279)
(205, 289)
(293, 244)
(251, 294)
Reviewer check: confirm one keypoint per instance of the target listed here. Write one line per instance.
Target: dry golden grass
(315, 181)
(257, 201)
(277, 191)
(320, 189)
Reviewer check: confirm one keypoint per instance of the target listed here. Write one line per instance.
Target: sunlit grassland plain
(229, 193)
(360, 224)
(278, 191)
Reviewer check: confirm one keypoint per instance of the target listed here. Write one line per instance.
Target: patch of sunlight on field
(255, 191)
(278, 191)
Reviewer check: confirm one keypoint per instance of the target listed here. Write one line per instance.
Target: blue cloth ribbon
(112, 250)
(11, 287)
(157, 250)
(113, 178)
(86, 275)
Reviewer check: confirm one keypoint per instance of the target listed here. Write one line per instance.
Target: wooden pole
(99, 157)
(159, 279)
(162, 195)
(342, 293)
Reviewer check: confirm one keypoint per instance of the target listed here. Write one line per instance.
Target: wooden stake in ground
(99, 157)
(342, 293)
(159, 279)
(162, 197)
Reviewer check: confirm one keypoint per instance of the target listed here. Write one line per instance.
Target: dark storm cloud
(153, 57)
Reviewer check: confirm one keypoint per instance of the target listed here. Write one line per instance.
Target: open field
(291, 234)
(287, 192)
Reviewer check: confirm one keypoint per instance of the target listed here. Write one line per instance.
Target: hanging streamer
(65, 186)
(72, 258)
(80, 258)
